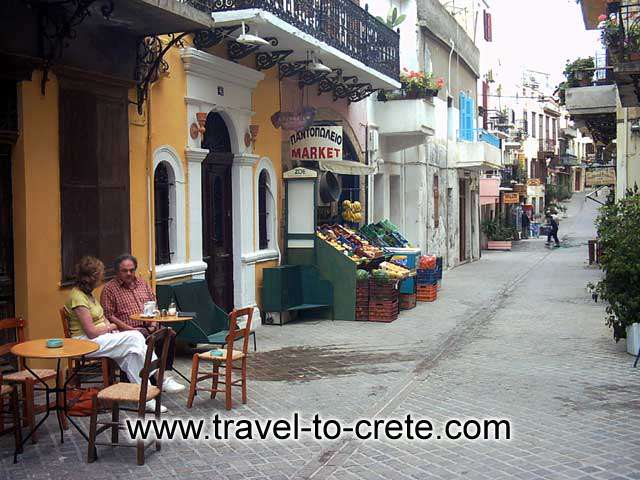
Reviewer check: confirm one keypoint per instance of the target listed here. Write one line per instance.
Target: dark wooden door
(217, 227)
(462, 210)
(6, 235)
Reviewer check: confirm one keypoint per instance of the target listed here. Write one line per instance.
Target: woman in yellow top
(87, 321)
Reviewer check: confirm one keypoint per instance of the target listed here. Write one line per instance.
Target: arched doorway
(217, 242)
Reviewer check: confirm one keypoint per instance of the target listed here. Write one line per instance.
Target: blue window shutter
(463, 116)
(470, 117)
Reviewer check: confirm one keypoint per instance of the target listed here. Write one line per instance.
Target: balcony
(547, 146)
(339, 31)
(478, 149)
(594, 108)
(623, 45)
(404, 117)
(569, 160)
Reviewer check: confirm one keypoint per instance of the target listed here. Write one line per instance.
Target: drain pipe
(446, 169)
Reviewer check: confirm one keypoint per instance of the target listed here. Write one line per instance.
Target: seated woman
(87, 321)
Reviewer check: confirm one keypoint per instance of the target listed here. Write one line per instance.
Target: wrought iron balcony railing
(547, 145)
(622, 31)
(339, 23)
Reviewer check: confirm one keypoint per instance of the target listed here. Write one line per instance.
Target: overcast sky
(539, 35)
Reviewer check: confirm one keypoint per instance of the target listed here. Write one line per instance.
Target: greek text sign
(316, 143)
(600, 176)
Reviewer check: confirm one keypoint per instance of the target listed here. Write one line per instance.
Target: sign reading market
(316, 143)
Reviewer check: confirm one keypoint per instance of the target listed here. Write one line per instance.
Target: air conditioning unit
(374, 140)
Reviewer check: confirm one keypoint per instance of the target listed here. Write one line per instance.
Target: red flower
(602, 18)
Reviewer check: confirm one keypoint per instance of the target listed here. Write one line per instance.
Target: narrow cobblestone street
(515, 335)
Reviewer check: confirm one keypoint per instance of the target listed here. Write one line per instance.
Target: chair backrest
(235, 333)
(64, 319)
(158, 365)
(17, 325)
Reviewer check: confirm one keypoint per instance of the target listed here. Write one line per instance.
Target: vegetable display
(348, 242)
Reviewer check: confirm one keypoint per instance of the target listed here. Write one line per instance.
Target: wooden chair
(24, 378)
(11, 411)
(112, 396)
(226, 361)
(91, 368)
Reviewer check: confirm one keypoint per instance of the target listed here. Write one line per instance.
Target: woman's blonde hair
(89, 273)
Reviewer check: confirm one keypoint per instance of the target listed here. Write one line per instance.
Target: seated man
(125, 295)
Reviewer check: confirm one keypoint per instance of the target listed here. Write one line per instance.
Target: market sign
(533, 182)
(509, 197)
(596, 177)
(316, 143)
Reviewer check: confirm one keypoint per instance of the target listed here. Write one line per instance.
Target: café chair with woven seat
(131, 393)
(10, 411)
(24, 379)
(227, 359)
(87, 369)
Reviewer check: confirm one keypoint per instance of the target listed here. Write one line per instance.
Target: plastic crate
(408, 301)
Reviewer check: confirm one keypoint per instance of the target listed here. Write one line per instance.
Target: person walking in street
(526, 224)
(553, 230)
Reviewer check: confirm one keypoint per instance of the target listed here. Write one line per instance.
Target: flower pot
(633, 339)
(431, 92)
(412, 93)
(634, 57)
(499, 245)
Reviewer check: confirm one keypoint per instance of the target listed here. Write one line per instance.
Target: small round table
(168, 321)
(71, 348)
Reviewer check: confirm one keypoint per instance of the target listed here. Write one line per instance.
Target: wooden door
(462, 220)
(217, 228)
(578, 182)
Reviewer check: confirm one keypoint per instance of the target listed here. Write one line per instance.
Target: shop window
(164, 211)
(436, 201)
(94, 175)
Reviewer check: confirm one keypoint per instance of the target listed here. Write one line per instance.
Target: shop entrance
(217, 242)
(462, 219)
(578, 181)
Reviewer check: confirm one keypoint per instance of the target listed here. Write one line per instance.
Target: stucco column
(195, 157)
(244, 273)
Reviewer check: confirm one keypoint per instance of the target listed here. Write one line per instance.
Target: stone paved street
(515, 335)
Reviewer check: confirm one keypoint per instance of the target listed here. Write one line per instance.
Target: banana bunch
(352, 211)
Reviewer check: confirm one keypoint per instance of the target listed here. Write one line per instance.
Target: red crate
(427, 293)
(408, 301)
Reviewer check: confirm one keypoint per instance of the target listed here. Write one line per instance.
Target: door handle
(223, 255)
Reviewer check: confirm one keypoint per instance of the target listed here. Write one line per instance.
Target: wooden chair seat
(224, 362)
(112, 396)
(126, 392)
(22, 375)
(235, 355)
(5, 390)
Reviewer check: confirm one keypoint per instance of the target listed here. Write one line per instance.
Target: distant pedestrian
(526, 224)
(553, 229)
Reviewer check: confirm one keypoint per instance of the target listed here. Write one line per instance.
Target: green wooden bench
(210, 324)
(294, 288)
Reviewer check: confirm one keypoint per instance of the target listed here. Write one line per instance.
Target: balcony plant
(579, 73)
(418, 84)
(618, 227)
(623, 44)
(393, 21)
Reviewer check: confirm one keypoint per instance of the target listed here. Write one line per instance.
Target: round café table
(168, 321)
(71, 348)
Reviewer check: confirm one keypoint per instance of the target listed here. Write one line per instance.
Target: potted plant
(499, 236)
(579, 73)
(417, 84)
(618, 228)
(623, 44)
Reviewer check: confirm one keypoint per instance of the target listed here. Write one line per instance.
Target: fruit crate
(426, 277)
(385, 311)
(382, 287)
(427, 293)
(362, 313)
(407, 301)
